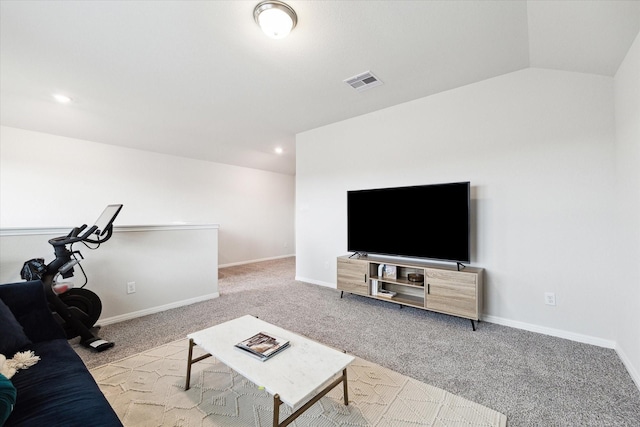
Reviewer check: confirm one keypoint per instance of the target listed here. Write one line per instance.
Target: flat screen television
(425, 221)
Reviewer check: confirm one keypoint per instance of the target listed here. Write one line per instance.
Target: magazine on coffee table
(263, 345)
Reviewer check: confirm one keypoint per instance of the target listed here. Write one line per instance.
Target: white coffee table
(298, 376)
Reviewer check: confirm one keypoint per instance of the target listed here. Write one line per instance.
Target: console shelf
(443, 289)
(398, 282)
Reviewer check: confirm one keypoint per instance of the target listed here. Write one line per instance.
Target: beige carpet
(147, 389)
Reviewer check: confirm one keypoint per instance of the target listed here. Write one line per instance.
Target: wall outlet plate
(550, 298)
(131, 287)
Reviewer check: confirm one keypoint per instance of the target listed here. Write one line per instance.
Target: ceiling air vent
(363, 81)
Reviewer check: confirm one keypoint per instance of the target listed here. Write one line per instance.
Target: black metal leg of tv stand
(341, 293)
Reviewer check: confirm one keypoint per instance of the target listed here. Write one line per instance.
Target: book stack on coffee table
(263, 345)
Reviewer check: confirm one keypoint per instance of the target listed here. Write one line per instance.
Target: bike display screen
(105, 220)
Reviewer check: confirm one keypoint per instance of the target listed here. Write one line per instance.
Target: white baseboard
(158, 309)
(232, 264)
(587, 339)
(316, 282)
(635, 375)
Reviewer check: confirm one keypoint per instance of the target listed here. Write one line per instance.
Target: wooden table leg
(189, 363)
(277, 402)
(276, 409)
(344, 387)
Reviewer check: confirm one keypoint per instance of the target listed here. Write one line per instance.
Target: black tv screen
(425, 221)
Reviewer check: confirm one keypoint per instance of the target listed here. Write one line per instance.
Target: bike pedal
(97, 344)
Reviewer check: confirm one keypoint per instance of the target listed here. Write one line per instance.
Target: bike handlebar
(73, 237)
(104, 225)
(77, 230)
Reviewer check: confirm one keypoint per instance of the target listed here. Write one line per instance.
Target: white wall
(171, 265)
(627, 207)
(47, 180)
(538, 148)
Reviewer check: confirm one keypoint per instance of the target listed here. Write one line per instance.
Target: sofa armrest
(28, 303)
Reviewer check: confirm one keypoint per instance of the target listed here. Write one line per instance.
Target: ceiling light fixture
(276, 18)
(279, 150)
(63, 99)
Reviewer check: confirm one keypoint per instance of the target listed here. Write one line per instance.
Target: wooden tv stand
(444, 289)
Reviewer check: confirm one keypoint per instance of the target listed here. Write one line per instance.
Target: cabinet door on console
(452, 292)
(352, 276)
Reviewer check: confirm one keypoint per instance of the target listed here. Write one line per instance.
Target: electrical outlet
(550, 298)
(131, 287)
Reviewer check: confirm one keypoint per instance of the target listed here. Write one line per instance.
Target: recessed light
(63, 99)
(279, 150)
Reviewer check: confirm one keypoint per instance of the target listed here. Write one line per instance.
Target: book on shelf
(385, 293)
(263, 345)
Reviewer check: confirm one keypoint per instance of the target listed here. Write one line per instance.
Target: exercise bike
(76, 309)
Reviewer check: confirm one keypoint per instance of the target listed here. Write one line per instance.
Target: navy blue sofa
(58, 390)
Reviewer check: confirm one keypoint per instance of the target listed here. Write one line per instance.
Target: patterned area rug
(147, 389)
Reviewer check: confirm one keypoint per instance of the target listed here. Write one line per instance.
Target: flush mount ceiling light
(63, 99)
(276, 18)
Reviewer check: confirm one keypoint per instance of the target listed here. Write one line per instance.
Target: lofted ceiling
(199, 79)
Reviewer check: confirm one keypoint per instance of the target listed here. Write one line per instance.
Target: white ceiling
(199, 79)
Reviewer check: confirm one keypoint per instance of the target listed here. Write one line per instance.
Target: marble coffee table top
(295, 374)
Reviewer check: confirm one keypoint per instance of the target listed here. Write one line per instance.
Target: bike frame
(63, 264)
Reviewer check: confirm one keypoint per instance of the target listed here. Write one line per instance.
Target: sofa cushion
(59, 391)
(13, 336)
(31, 309)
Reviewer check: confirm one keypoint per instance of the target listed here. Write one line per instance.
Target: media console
(443, 289)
